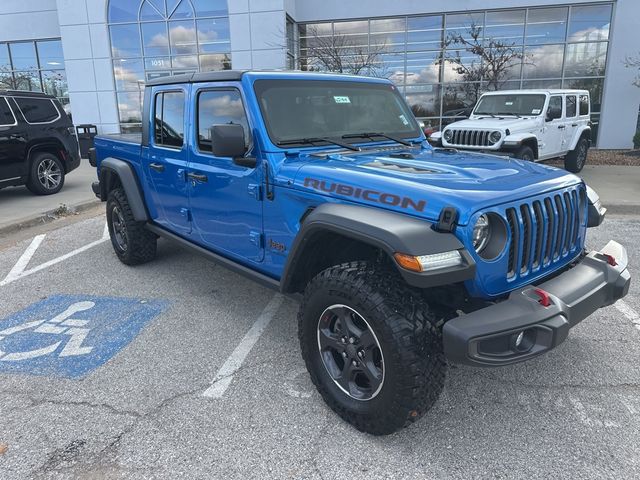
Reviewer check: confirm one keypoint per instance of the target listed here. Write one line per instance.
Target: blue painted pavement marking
(71, 335)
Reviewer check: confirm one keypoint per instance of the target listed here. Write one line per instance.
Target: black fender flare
(389, 231)
(110, 167)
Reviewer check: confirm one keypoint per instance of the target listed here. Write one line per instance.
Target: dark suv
(38, 145)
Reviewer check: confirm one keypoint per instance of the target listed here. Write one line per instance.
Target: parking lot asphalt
(166, 329)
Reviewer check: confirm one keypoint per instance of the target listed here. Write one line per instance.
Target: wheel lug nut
(360, 354)
(352, 340)
(343, 340)
(344, 354)
(354, 363)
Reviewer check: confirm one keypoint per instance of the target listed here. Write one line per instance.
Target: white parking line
(23, 261)
(18, 271)
(624, 308)
(224, 377)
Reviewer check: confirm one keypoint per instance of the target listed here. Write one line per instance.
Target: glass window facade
(156, 38)
(37, 66)
(443, 63)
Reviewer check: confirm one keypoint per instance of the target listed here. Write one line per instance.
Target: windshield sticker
(404, 120)
(508, 103)
(536, 111)
(341, 99)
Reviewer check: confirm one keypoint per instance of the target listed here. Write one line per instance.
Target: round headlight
(495, 136)
(448, 135)
(481, 233)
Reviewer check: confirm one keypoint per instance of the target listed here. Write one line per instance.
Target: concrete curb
(622, 209)
(49, 216)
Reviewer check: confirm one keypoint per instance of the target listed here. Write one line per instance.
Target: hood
(421, 182)
(498, 123)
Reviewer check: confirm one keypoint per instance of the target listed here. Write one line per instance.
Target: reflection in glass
(423, 67)
(424, 33)
(125, 41)
(210, 8)
(219, 61)
(129, 106)
(456, 98)
(506, 27)
(595, 87)
(589, 23)
(424, 100)
(389, 65)
(149, 11)
(546, 25)
(214, 35)
(544, 61)
(50, 54)
(463, 25)
(219, 108)
(154, 39)
(129, 74)
(185, 62)
(169, 119)
(28, 81)
(157, 63)
(55, 83)
(6, 81)
(4, 57)
(387, 35)
(123, 11)
(183, 37)
(544, 84)
(462, 66)
(585, 59)
(23, 55)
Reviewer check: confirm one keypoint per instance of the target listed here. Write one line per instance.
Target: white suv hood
(498, 123)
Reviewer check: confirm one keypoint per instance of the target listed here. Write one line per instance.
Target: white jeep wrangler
(527, 124)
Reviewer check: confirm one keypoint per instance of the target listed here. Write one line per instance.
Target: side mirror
(228, 140)
(553, 114)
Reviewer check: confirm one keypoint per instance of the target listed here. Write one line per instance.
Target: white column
(621, 99)
(258, 33)
(87, 52)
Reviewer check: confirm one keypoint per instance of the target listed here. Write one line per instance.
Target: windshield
(524, 105)
(298, 110)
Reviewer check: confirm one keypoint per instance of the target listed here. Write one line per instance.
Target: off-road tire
(525, 153)
(408, 333)
(575, 160)
(140, 244)
(38, 162)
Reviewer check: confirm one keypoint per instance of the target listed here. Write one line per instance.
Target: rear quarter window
(37, 110)
(584, 105)
(6, 116)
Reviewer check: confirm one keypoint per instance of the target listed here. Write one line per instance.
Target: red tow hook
(544, 299)
(611, 260)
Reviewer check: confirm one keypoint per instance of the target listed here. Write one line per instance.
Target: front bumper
(521, 327)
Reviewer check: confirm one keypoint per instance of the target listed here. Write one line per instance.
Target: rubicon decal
(365, 194)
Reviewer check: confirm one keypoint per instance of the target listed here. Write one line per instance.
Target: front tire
(372, 346)
(576, 159)
(525, 153)
(131, 241)
(46, 176)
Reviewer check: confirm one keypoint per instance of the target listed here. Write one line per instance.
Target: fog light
(518, 340)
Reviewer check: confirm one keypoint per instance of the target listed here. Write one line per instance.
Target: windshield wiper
(509, 113)
(372, 135)
(485, 113)
(311, 141)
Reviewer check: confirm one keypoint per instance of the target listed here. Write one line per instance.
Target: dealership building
(96, 55)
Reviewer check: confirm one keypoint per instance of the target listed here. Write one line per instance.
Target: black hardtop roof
(25, 93)
(219, 76)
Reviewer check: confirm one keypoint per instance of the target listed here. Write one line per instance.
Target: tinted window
(37, 110)
(6, 117)
(217, 107)
(584, 105)
(555, 107)
(572, 108)
(169, 119)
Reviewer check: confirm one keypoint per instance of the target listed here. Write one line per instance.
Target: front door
(12, 145)
(553, 129)
(165, 160)
(224, 198)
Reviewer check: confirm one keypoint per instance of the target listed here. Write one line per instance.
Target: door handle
(197, 177)
(158, 167)
(574, 124)
(562, 127)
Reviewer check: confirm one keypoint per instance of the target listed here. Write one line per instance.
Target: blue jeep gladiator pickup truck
(405, 257)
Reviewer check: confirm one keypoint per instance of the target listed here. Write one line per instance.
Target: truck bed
(135, 138)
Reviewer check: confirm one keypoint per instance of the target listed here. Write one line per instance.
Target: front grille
(471, 138)
(544, 231)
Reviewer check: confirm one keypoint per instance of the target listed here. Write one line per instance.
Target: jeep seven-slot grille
(471, 138)
(543, 231)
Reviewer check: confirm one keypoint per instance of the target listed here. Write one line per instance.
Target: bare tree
(339, 53)
(494, 58)
(634, 63)
(17, 80)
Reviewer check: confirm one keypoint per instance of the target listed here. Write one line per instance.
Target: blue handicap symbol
(71, 335)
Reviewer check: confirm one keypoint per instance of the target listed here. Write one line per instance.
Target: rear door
(165, 159)
(225, 198)
(553, 128)
(12, 144)
(570, 121)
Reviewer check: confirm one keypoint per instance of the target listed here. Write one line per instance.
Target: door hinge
(255, 191)
(256, 238)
